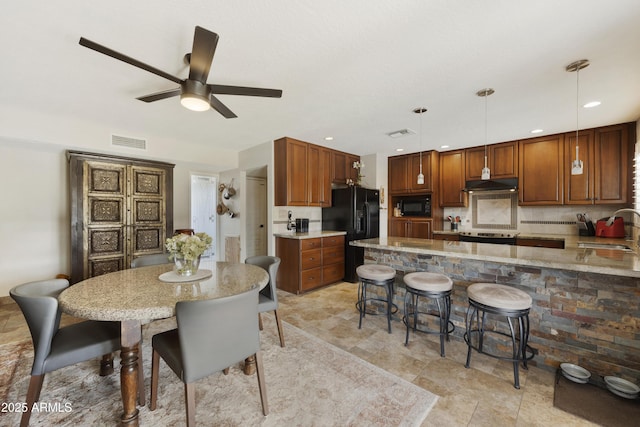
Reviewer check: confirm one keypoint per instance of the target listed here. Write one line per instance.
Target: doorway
(256, 218)
(204, 199)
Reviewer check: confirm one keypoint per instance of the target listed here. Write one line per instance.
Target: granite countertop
(603, 261)
(139, 294)
(310, 235)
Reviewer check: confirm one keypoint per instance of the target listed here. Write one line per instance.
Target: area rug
(595, 404)
(309, 383)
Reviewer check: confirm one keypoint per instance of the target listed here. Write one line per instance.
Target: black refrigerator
(355, 210)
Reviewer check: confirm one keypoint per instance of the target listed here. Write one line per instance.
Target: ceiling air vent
(127, 141)
(401, 132)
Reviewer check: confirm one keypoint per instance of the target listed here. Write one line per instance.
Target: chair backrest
(215, 334)
(153, 259)
(270, 264)
(39, 304)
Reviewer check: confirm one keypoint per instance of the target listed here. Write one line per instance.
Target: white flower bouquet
(186, 249)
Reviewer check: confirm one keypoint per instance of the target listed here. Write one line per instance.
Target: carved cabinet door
(120, 209)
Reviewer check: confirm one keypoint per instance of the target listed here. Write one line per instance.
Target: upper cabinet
(605, 153)
(452, 179)
(502, 160)
(304, 172)
(613, 156)
(403, 172)
(342, 170)
(541, 170)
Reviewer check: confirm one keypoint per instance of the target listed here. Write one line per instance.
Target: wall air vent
(127, 141)
(401, 132)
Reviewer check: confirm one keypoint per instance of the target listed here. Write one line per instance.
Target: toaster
(615, 230)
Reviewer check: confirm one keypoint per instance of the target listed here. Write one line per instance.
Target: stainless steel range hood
(506, 184)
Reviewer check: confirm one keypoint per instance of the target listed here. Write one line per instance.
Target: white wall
(35, 237)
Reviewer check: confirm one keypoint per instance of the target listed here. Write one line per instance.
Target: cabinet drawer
(311, 259)
(310, 279)
(306, 244)
(332, 273)
(333, 241)
(332, 254)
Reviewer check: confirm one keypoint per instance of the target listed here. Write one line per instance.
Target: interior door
(204, 199)
(256, 222)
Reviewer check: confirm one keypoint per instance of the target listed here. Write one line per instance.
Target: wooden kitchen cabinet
(605, 153)
(308, 264)
(452, 179)
(613, 156)
(446, 236)
(502, 160)
(342, 167)
(540, 243)
(410, 227)
(304, 172)
(403, 172)
(541, 170)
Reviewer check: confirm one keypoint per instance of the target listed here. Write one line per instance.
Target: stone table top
(138, 293)
(602, 261)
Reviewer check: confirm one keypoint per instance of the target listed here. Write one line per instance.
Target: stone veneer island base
(579, 315)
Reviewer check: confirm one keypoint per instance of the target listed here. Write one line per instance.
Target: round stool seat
(430, 282)
(375, 272)
(499, 296)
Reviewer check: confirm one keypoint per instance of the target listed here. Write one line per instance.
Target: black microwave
(416, 206)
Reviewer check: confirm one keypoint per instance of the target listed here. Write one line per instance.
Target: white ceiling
(353, 69)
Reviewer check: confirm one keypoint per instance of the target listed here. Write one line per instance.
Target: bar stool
(501, 300)
(375, 275)
(428, 285)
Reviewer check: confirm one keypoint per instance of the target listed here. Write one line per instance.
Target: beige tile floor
(480, 396)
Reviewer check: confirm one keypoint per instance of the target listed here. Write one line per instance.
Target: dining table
(136, 296)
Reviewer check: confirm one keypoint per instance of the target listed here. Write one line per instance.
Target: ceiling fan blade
(204, 47)
(124, 58)
(246, 91)
(160, 95)
(221, 108)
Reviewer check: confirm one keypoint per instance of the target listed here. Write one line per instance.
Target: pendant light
(486, 173)
(577, 164)
(420, 110)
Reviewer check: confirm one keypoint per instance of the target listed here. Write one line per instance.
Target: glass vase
(185, 267)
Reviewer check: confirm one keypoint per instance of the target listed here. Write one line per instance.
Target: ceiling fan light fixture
(195, 96)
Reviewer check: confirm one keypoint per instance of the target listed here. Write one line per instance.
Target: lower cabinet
(307, 264)
(540, 243)
(445, 236)
(410, 227)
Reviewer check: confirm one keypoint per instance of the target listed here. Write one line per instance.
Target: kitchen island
(586, 301)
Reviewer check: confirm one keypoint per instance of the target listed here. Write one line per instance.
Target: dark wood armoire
(121, 208)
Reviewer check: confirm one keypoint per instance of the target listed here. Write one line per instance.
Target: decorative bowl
(575, 373)
(622, 387)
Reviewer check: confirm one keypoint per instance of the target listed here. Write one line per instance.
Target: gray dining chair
(153, 259)
(56, 347)
(211, 336)
(268, 295)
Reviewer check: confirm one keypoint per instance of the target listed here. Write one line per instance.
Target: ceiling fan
(195, 93)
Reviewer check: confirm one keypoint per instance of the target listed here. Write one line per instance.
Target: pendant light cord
(485, 130)
(577, 107)
(421, 113)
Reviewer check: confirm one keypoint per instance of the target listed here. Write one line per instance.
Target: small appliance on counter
(302, 225)
(585, 225)
(615, 230)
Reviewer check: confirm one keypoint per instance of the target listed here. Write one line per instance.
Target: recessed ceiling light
(328, 138)
(399, 149)
(537, 131)
(444, 146)
(591, 104)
